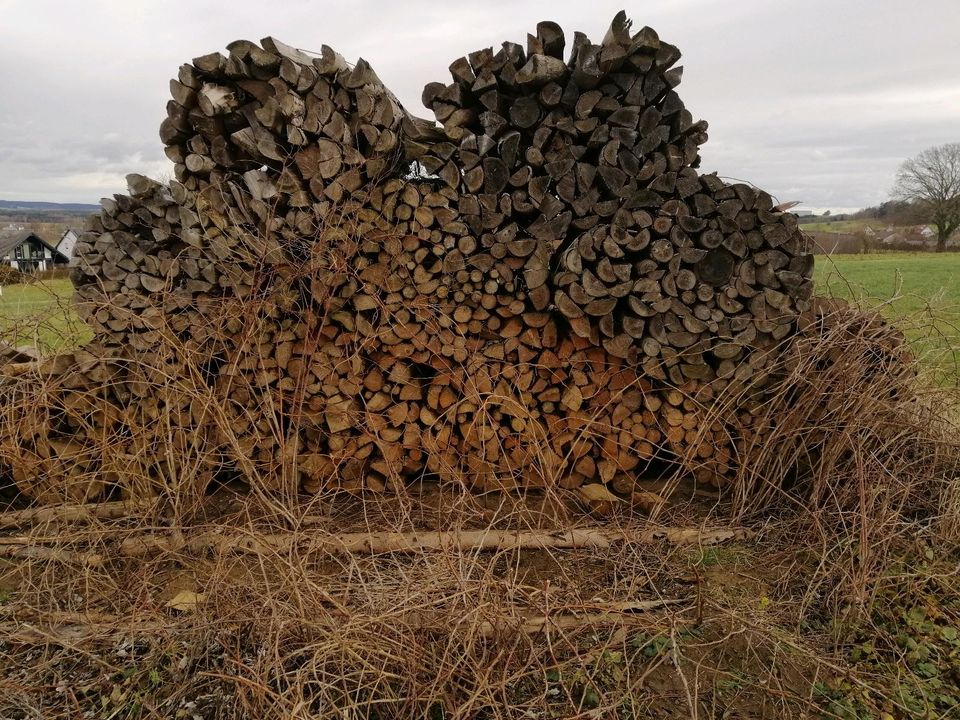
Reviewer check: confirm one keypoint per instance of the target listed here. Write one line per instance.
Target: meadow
(843, 226)
(40, 314)
(908, 282)
(918, 291)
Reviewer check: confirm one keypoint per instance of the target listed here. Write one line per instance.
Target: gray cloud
(815, 100)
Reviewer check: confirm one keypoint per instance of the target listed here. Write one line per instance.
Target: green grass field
(40, 314)
(919, 290)
(907, 282)
(843, 226)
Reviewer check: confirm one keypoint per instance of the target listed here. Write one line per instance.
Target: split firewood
(539, 289)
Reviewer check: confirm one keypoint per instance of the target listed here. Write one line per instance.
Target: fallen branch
(22, 551)
(426, 541)
(73, 513)
(70, 634)
(28, 625)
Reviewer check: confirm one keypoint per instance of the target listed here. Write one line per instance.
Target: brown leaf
(185, 601)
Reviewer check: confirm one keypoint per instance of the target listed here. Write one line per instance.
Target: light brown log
(74, 513)
(465, 540)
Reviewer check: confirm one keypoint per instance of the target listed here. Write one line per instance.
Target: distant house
(67, 242)
(27, 252)
(906, 238)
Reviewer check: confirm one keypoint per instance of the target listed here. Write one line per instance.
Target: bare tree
(931, 181)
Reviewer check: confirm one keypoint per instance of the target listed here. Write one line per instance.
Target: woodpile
(542, 289)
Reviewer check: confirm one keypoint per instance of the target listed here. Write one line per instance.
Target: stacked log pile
(540, 290)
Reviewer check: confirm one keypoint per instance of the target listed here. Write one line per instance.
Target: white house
(67, 242)
(25, 251)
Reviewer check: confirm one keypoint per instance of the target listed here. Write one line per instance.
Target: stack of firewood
(590, 166)
(542, 290)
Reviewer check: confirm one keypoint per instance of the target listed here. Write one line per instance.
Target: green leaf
(614, 658)
(590, 698)
(657, 646)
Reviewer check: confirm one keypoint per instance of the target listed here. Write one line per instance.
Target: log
(432, 541)
(73, 513)
(32, 627)
(22, 551)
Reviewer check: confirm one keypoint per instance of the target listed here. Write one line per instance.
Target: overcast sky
(814, 100)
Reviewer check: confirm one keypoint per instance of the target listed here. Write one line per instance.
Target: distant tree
(826, 213)
(931, 181)
(899, 212)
